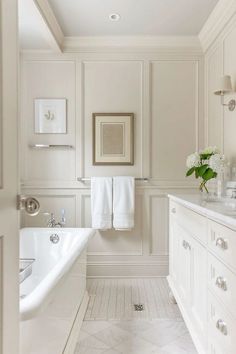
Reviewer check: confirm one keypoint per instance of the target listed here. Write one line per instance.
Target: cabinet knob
(222, 243)
(221, 283)
(186, 245)
(222, 327)
(173, 210)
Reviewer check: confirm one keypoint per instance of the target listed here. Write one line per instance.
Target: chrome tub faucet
(52, 221)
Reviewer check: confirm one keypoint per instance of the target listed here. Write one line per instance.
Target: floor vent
(138, 307)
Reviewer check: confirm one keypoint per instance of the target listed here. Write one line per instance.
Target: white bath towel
(101, 202)
(123, 203)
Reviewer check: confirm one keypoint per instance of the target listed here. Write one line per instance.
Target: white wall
(164, 89)
(221, 60)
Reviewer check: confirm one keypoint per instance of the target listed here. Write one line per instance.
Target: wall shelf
(50, 146)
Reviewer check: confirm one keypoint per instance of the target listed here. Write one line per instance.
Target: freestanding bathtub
(53, 299)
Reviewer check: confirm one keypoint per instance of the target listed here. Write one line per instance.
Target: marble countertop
(223, 212)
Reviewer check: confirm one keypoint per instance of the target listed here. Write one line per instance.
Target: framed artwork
(113, 138)
(50, 115)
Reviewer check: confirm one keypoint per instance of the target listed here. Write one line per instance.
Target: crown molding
(55, 35)
(130, 43)
(218, 19)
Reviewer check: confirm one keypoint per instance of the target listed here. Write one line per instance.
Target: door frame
(9, 216)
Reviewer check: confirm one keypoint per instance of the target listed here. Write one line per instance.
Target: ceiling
(32, 35)
(89, 19)
(138, 17)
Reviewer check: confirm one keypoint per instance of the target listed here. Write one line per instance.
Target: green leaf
(196, 172)
(209, 174)
(190, 171)
(205, 156)
(202, 169)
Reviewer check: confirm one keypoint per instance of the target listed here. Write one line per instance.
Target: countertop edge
(221, 218)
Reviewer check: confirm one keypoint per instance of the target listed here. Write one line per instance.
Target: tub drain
(54, 238)
(138, 307)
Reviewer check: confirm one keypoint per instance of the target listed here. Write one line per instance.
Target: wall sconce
(226, 87)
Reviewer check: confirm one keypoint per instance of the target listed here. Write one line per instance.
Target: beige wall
(165, 92)
(220, 122)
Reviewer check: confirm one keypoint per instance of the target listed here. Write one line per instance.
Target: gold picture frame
(113, 138)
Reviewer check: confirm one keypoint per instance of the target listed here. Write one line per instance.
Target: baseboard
(186, 318)
(127, 269)
(125, 276)
(74, 333)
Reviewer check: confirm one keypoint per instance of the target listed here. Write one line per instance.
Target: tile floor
(111, 325)
(113, 299)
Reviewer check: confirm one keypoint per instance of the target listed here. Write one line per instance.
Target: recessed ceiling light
(114, 17)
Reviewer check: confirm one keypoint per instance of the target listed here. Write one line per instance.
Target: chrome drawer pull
(222, 327)
(186, 245)
(221, 283)
(220, 242)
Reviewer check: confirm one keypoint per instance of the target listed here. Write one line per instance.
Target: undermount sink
(226, 206)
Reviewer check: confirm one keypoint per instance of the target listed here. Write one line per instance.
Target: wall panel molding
(157, 227)
(153, 183)
(166, 103)
(118, 241)
(125, 82)
(103, 91)
(40, 79)
(214, 123)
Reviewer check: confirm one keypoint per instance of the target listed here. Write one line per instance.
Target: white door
(9, 223)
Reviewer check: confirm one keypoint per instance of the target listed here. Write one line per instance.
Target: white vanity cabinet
(188, 269)
(202, 274)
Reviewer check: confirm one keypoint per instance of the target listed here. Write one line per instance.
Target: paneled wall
(164, 90)
(220, 122)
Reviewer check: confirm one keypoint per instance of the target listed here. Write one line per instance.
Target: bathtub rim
(33, 303)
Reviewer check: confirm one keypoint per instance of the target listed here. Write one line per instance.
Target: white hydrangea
(193, 160)
(216, 162)
(210, 150)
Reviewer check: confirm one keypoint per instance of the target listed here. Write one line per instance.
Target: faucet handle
(47, 213)
(63, 217)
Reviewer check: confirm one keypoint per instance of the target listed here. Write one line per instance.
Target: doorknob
(30, 204)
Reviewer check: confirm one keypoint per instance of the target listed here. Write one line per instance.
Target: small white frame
(50, 115)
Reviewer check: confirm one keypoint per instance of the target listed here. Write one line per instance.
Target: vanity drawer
(192, 222)
(221, 328)
(222, 282)
(222, 241)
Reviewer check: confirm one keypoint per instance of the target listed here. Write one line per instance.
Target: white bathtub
(53, 297)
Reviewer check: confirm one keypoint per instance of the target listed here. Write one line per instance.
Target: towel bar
(87, 179)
